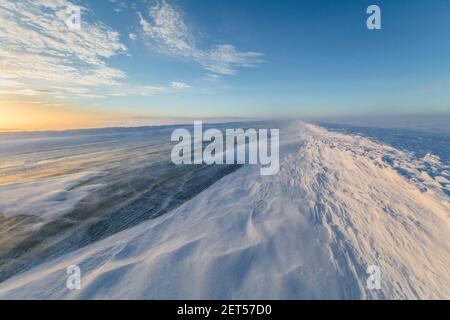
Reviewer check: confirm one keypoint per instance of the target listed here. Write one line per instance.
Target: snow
(309, 232)
(46, 198)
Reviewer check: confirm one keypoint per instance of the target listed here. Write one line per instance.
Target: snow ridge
(309, 232)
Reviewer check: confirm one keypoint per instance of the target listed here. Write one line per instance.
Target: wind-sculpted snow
(60, 191)
(46, 198)
(336, 207)
(421, 155)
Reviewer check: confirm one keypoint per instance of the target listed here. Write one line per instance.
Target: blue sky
(248, 58)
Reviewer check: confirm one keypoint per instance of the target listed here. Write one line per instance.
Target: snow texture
(309, 232)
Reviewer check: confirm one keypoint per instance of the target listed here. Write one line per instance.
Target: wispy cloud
(8, 83)
(166, 28)
(37, 44)
(179, 85)
(211, 77)
(9, 86)
(19, 92)
(74, 90)
(118, 95)
(92, 96)
(119, 5)
(139, 90)
(148, 90)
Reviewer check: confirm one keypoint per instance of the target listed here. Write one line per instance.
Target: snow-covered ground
(46, 198)
(311, 231)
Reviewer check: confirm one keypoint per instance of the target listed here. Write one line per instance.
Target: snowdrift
(309, 232)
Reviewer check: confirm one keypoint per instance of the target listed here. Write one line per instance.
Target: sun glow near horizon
(147, 62)
(41, 115)
(25, 115)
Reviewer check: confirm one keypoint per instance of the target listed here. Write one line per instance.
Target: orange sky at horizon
(24, 115)
(40, 115)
